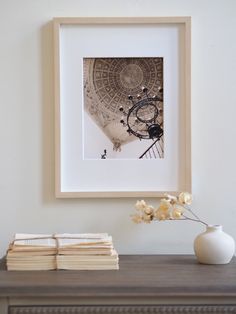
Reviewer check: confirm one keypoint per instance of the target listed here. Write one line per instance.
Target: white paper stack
(62, 251)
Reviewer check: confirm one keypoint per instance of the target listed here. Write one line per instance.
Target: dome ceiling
(107, 84)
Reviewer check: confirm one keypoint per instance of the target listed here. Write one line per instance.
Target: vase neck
(214, 228)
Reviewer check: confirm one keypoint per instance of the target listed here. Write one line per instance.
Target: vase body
(214, 246)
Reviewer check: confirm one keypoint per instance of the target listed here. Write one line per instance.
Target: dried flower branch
(170, 208)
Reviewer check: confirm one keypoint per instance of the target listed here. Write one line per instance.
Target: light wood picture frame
(78, 38)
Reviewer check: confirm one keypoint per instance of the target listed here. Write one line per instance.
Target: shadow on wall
(48, 144)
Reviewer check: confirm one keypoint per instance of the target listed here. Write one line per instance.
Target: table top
(139, 275)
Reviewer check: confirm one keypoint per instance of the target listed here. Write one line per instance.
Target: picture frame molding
(186, 107)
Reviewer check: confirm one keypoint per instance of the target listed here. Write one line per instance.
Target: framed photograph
(122, 106)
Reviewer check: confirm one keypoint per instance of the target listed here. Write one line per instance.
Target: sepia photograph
(123, 108)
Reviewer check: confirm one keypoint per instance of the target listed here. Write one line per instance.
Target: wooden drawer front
(132, 309)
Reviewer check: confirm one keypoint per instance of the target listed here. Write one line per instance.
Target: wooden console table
(144, 285)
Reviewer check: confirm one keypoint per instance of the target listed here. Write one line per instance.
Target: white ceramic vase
(214, 246)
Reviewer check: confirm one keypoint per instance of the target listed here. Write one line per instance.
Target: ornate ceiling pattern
(107, 84)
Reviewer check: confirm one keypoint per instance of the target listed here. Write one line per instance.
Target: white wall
(27, 201)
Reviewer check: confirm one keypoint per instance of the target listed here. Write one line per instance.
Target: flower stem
(190, 210)
(197, 220)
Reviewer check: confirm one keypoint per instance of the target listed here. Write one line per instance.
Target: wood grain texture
(3, 306)
(139, 276)
(122, 20)
(162, 309)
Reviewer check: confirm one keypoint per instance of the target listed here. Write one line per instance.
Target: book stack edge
(93, 251)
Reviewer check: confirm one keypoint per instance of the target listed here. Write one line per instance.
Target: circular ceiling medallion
(131, 76)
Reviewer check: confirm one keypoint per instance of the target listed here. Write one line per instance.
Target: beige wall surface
(27, 201)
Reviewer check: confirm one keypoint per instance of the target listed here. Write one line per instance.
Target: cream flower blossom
(136, 218)
(149, 210)
(170, 208)
(162, 214)
(141, 205)
(146, 213)
(177, 213)
(185, 198)
(164, 205)
(147, 218)
(172, 199)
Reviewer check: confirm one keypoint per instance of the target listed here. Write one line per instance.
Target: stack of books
(94, 251)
